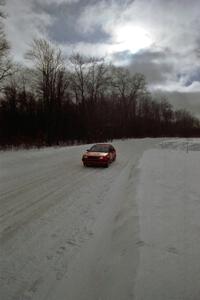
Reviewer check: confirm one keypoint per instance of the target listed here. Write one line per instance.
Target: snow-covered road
(127, 232)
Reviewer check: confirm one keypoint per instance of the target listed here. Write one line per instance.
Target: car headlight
(105, 157)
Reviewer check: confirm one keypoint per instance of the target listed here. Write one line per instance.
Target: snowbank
(169, 213)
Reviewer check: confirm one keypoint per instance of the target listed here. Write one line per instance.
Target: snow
(169, 209)
(127, 232)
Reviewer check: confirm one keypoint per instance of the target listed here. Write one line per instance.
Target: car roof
(103, 144)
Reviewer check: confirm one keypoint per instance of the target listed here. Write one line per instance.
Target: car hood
(96, 153)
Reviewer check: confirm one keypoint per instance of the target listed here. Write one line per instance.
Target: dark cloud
(193, 77)
(65, 28)
(63, 33)
(155, 65)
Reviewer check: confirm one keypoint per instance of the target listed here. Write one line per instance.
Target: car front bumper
(95, 162)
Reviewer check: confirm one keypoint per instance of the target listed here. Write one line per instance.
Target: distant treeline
(59, 100)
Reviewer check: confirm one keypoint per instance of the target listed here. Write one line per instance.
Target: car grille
(93, 158)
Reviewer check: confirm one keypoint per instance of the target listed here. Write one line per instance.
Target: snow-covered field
(127, 232)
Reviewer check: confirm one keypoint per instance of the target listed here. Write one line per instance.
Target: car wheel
(85, 165)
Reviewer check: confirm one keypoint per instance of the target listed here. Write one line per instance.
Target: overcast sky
(160, 38)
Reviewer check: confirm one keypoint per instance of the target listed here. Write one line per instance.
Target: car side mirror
(88, 150)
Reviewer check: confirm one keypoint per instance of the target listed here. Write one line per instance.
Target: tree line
(58, 100)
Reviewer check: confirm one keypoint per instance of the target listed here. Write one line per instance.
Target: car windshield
(99, 148)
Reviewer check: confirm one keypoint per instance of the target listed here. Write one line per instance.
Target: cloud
(168, 62)
(158, 38)
(87, 49)
(23, 24)
(49, 2)
(155, 65)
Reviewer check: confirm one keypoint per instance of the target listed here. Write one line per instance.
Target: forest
(55, 100)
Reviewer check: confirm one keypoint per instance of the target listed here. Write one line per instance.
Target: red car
(99, 155)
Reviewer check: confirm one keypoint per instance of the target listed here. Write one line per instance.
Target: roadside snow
(169, 216)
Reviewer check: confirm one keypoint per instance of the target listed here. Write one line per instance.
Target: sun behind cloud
(130, 37)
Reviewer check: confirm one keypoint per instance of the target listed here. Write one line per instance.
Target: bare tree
(50, 80)
(5, 61)
(120, 81)
(48, 65)
(97, 79)
(89, 78)
(79, 67)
